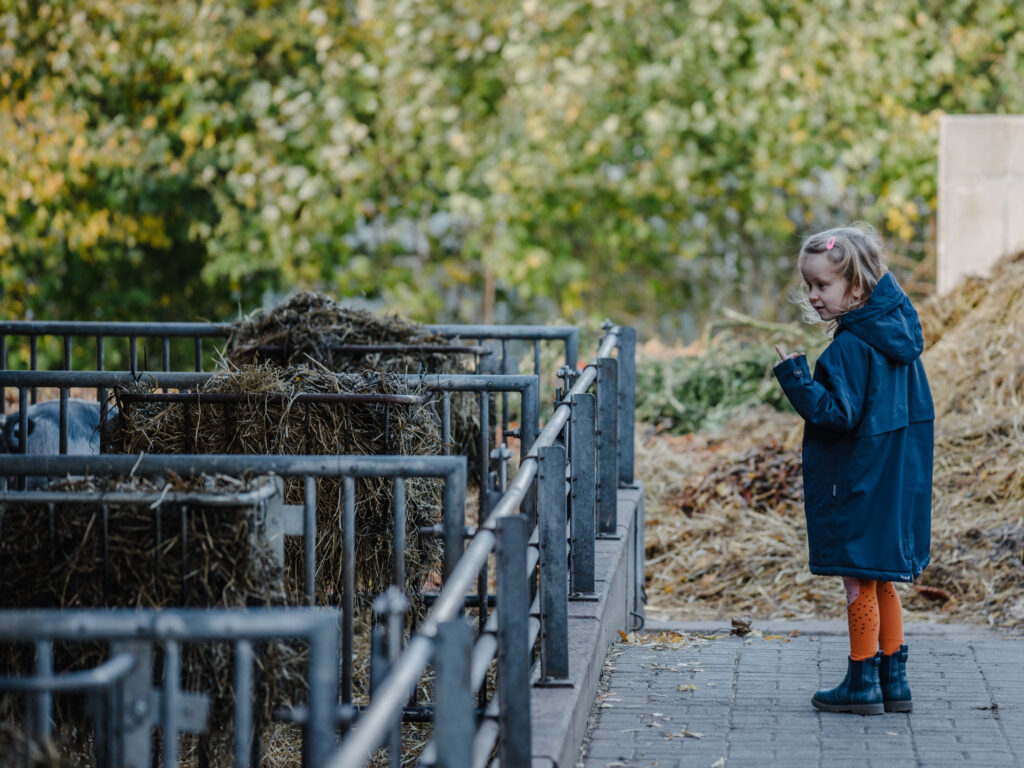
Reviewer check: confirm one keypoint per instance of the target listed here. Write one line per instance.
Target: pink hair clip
(831, 243)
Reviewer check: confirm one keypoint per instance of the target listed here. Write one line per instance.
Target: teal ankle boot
(859, 693)
(892, 676)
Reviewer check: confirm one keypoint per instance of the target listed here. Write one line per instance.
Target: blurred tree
(469, 158)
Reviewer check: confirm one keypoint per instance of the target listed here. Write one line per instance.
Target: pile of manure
(270, 419)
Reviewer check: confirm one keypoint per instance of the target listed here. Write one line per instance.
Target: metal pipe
(44, 699)
(185, 624)
(244, 731)
(453, 701)
(267, 397)
(392, 695)
(62, 443)
(348, 588)
(136, 498)
(513, 652)
(309, 539)
(234, 464)
(554, 589)
(607, 446)
(110, 671)
(398, 536)
(627, 402)
(582, 480)
(170, 702)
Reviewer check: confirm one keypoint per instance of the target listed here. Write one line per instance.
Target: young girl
(867, 456)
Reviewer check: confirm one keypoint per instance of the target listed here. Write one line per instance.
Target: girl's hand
(783, 357)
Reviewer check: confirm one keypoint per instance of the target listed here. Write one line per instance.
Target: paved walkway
(737, 702)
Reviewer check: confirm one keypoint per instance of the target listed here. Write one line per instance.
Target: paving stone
(750, 704)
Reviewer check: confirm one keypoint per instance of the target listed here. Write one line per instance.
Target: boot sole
(899, 706)
(853, 709)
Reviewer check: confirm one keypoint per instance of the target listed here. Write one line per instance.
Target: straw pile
(725, 522)
(308, 328)
(258, 425)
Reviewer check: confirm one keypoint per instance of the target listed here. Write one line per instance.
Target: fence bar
(309, 539)
(23, 398)
(348, 583)
(62, 442)
(323, 693)
(446, 423)
(627, 402)
(513, 653)
(582, 516)
(607, 446)
(398, 537)
(171, 701)
(228, 464)
(33, 352)
(43, 701)
(244, 689)
(453, 697)
(554, 614)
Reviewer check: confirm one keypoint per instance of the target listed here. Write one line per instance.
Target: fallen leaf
(687, 687)
(741, 626)
(624, 636)
(795, 633)
(718, 763)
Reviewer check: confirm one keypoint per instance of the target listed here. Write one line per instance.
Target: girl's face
(829, 292)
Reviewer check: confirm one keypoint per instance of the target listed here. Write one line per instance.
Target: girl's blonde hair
(857, 255)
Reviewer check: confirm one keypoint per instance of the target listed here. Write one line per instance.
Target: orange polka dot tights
(875, 617)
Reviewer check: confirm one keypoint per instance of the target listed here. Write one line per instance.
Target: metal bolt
(140, 708)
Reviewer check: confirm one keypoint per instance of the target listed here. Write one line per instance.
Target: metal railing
(126, 703)
(501, 359)
(586, 506)
(574, 468)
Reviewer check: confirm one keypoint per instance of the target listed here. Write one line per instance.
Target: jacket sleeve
(836, 402)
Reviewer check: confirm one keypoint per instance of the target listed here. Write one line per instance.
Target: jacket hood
(888, 322)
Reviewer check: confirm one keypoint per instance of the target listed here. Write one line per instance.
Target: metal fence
(126, 704)
(539, 525)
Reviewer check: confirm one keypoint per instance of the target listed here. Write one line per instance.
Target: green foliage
(733, 371)
(694, 392)
(584, 159)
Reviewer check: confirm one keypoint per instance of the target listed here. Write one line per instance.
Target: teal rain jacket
(868, 442)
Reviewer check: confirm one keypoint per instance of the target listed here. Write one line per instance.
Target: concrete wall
(981, 194)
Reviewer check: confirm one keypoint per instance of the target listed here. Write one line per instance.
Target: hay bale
(281, 426)
(308, 327)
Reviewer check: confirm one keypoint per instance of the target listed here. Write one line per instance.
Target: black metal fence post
(554, 586)
(453, 698)
(582, 517)
(607, 446)
(513, 651)
(627, 402)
